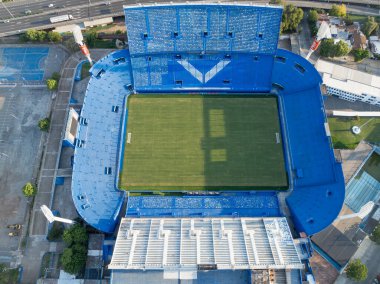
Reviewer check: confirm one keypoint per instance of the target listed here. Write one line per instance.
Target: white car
(51, 5)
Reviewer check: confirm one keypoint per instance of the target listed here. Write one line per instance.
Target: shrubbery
(29, 190)
(360, 54)
(44, 124)
(41, 36)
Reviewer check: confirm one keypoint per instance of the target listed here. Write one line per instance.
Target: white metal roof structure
(187, 244)
(349, 80)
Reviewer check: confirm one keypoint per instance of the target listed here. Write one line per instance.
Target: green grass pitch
(192, 142)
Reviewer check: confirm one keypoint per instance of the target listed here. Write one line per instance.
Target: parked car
(13, 234)
(15, 226)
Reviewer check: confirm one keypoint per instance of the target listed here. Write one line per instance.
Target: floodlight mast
(78, 37)
(363, 212)
(323, 32)
(51, 218)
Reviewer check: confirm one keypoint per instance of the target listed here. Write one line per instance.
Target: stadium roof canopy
(193, 243)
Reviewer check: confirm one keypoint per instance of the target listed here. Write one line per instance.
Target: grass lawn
(85, 70)
(372, 166)
(203, 142)
(342, 136)
(361, 18)
(10, 276)
(102, 43)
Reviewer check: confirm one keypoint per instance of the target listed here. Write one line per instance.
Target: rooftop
(348, 80)
(189, 244)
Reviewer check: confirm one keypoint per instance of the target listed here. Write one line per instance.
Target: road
(14, 12)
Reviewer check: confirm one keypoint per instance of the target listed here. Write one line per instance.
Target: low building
(349, 84)
(375, 45)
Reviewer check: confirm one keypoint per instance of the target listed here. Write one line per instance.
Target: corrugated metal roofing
(184, 244)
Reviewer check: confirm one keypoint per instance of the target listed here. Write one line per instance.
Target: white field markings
(278, 140)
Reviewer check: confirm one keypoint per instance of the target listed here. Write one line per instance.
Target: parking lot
(19, 143)
(24, 100)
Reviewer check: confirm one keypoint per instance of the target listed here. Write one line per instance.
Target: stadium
(207, 143)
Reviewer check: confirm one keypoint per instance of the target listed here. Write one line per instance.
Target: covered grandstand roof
(94, 191)
(189, 243)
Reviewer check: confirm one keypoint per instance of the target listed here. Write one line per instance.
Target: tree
(51, 84)
(44, 124)
(369, 26)
(74, 258)
(56, 231)
(360, 54)
(313, 16)
(90, 39)
(291, 17)
(338, 10)
(29, 190)
(76, 234)
(329, 49)
(341, 49)
(31, 35)
(375, 236)
(41, 36)
(72, 261)
(312, 19)
(3, 267)
(348, 20)
(54, 36)
(356, 270)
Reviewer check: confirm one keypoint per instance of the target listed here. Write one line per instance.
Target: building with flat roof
(349, 84)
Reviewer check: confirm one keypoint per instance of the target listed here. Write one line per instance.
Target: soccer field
(191, 142)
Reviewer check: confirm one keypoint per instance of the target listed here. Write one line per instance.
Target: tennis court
(22, 63)
(192, 142)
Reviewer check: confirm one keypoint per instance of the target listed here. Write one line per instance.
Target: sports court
(181, 142)
(23, 63)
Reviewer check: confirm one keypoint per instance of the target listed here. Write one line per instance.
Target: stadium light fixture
(323, 32)
(363, 212)
(51, 218)
(78, 37)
